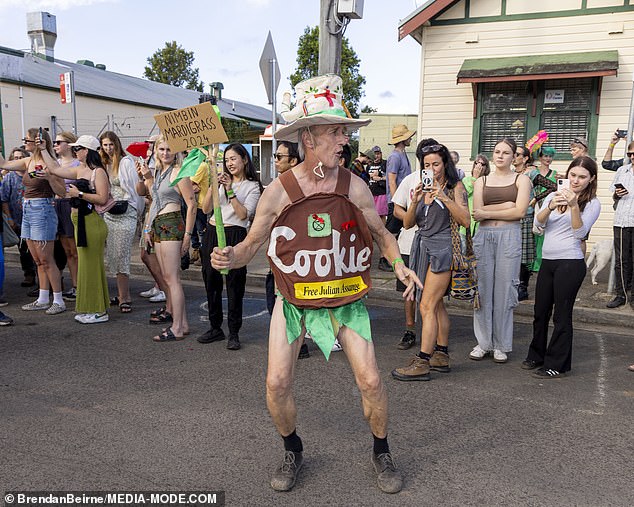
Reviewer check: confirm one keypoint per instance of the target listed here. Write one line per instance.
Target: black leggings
(558, 283)
(236, 280)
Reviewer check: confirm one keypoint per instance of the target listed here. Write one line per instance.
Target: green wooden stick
(213, 176)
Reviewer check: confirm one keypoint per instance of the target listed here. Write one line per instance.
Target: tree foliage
(308, 66)
(173, 65)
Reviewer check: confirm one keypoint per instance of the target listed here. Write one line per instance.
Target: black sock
(293, 443)
(424, 355)
(380, 445)
(441, 348)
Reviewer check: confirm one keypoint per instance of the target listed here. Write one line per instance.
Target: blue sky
(227, 38)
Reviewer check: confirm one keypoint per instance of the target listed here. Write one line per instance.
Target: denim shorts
(39, 219)
(168, 227)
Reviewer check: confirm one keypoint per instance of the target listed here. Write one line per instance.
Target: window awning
(531, 67)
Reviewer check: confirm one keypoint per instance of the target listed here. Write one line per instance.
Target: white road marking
(601, 375)
(205, 308)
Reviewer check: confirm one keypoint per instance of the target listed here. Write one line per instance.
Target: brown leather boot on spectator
(439, 362)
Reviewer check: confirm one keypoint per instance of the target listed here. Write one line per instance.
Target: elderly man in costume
(321, 223)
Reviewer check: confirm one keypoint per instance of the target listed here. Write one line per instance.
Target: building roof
(422, 15)
(551, 66)
(23, 68)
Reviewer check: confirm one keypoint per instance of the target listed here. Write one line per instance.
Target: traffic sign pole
(274, 122)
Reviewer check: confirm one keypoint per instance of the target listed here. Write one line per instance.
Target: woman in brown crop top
(39, 220)
(499, 202)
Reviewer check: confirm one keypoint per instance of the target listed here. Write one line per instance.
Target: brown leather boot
(439, 362)
(417, 369)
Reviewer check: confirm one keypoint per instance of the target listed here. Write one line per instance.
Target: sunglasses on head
(576, 140)
(279, 156)
(433, 148)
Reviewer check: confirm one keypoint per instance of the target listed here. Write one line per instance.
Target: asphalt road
(102, 407)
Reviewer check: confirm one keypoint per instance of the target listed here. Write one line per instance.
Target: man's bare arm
(269, 207)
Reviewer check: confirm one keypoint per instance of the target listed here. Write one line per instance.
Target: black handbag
(119, 208)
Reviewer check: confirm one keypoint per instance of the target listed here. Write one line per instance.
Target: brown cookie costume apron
(320, 251)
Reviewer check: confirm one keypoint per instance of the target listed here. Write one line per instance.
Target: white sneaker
(499, 356)
(55, 308)
(92, 318)
(159, 297)
(477, 353)
(336, 347)
(35, 306)
(150, 292)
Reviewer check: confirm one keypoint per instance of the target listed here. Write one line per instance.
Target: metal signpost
(271, 75)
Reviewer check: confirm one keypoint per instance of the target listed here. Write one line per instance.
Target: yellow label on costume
(334, 289)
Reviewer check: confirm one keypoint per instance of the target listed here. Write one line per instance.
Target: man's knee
(279, 383)
(370, 383)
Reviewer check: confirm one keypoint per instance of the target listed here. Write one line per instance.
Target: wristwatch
(81, 195)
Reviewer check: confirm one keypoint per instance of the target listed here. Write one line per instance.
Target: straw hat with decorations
(319, 102)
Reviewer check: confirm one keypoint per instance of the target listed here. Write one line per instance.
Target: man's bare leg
(279, 398)
(362, 360)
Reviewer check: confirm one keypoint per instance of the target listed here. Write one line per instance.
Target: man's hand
(409, 279)
(222, 258)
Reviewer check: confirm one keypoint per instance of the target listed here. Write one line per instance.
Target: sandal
(185, 333)
(114, 301)
(162, 318)
(158, 312)
(168, 336)
(125, 307)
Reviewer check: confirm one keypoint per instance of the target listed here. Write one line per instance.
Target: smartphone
(41, 136)
(563, 183)
(620, 185)
(37, 172)
(622, 134)
(427, 179)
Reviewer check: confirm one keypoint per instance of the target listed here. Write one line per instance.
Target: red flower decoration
(348, 225)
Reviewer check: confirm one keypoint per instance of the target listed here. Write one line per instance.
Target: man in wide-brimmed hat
(398, 167)
(320, 222)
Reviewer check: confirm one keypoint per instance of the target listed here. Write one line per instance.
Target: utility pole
(329, 39)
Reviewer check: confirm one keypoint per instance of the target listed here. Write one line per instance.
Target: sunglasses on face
(57, 143)
(77, 148)
(630, 153)
(279, 156)
(25, 140)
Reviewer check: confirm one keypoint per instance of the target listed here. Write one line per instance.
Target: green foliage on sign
(308, 66)
(173, 65)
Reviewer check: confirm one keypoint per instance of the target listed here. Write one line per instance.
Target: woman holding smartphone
(437, 200)
(566, 217)
(39, 219)
(90, 189)
(500, 201)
